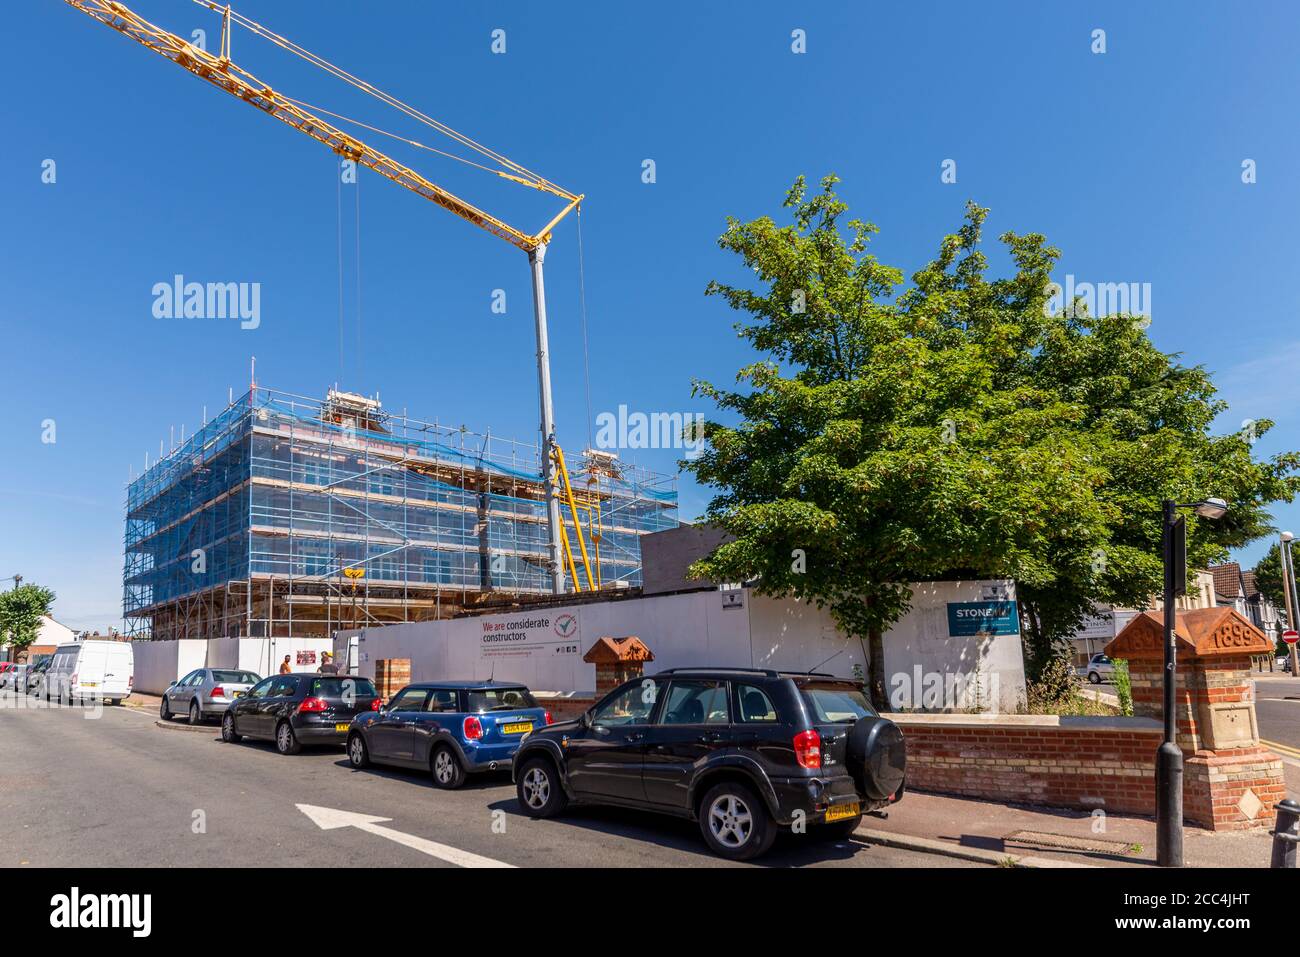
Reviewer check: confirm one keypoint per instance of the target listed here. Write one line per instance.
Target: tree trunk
(876, 669)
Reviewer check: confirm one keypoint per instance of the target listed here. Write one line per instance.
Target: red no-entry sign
(1290, 637)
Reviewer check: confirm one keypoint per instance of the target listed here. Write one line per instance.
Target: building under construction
(286, 516)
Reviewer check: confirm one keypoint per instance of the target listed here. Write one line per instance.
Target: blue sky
(1130, 161)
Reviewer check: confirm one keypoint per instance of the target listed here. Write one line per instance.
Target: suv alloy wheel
(358, 757)
(539, 790)
(735, 822)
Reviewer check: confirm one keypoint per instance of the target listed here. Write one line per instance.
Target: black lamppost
(1169, 758)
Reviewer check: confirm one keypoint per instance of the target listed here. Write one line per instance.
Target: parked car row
(11, 674)
(744, 753)
(79, 671)
(15, 675)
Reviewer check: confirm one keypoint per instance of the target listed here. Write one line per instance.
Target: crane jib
(227, 76)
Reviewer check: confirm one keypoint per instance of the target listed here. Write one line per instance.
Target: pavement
(114, 790)
(1027, 836)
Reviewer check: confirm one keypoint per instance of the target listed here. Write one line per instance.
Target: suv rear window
(836, 702)
(755, 705)
(341, 687)
(500, 699)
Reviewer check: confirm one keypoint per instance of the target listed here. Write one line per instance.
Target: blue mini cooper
(450, 728)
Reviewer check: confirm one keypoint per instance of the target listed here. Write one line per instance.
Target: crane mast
(226, 75)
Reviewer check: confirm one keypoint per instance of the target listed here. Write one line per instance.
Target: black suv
(741, 751)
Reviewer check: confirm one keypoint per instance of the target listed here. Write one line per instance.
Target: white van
(91, 669)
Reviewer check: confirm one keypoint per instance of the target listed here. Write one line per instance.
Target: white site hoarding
(159, 663)
(926, 666)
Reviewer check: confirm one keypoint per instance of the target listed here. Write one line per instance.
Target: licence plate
(521, 727)
(340, 728)
(840, 812)
(90, 684)
(238, 694)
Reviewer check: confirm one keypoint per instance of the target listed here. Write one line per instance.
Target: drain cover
(1067, 842)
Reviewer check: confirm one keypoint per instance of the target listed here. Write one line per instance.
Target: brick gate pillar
(617, 660)
(1230, 781)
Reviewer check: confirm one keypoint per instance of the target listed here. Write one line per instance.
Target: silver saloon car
(1098, 669)
(205, 693)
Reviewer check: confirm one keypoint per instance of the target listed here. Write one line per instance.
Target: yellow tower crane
(222, 72)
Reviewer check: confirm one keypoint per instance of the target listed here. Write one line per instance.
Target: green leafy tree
(21, 610)
(960, 429)
(1268, 577)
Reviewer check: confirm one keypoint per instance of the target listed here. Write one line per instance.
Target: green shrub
(1123, 687)
(1056, 691)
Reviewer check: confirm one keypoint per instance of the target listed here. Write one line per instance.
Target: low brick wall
(562, 709)
(1075, 762)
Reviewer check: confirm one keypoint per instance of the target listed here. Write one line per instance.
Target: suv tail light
(218, 692)
(312, 704)
(376, 704)
(808, 749)
(549, 719)
(472, 728)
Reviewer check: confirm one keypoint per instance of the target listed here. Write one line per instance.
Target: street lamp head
(1212, 508)
(1287, 537)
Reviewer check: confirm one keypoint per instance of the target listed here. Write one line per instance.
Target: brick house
(50, 635)
(1237, 589)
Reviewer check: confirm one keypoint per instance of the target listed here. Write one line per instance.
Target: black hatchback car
(742, 752)
(297, 709)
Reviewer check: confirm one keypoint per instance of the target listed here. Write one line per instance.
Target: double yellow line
(1284, 750)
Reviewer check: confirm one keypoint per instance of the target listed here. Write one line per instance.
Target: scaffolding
(286, 516)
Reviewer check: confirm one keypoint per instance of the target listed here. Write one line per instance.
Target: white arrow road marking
(328, 819)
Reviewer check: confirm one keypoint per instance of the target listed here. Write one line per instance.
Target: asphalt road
(117, 791)
(1277, 709)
